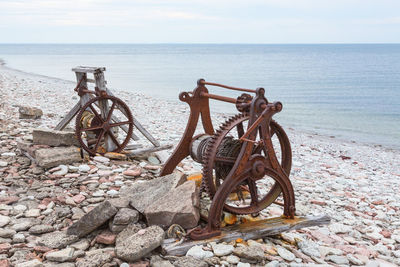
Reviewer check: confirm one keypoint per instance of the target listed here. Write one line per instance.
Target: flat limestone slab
(54, 138)
(249, 230)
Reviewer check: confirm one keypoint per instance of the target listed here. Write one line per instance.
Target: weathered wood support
(246, 231)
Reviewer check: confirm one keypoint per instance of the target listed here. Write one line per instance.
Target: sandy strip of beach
(358, 185)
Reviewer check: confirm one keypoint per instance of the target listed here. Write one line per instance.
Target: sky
(199, 21)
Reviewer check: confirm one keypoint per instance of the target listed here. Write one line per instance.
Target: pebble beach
(357, 185)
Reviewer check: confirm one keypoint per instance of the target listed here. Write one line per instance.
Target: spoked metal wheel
(104, 124)
(251, 195)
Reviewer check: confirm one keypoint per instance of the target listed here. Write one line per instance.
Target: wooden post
(101, 85)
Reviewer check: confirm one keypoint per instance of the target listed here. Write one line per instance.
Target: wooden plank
(145, 133)
(246, 231)
(139, 126)
(104, 108)
(147, 150)
(71, 114)
(86, 97)
(133, 147)
(85, 69)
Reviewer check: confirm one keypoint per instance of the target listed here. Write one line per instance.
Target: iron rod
(219, 97)
(228, 87)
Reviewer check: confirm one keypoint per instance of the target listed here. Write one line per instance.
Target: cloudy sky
(199, 21)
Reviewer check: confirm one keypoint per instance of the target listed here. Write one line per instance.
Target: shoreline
(312, 132)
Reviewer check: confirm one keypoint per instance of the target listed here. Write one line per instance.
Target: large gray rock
(51, 157)
(93, 219)
(143, 194)
(139, 244)
(30, 113)
(123, 217)
(54, 138)
(57, 240)
(178, 206)
(95, 258)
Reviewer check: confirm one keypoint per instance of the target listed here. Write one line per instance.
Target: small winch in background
(104, 123)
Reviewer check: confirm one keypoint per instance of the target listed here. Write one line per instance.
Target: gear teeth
(211, 150)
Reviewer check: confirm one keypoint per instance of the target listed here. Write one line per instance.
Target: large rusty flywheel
(218, 154)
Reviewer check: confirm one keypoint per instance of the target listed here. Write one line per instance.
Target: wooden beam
(246, 231)
(84, 69)
(71, 114)
(139, 126)
(104, 108)
(147, 150)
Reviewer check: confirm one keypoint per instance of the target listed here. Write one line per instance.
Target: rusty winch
(248, 156)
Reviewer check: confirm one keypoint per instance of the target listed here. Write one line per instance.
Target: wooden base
(246, 231)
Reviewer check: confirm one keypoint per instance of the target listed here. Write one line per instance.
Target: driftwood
(246, 231)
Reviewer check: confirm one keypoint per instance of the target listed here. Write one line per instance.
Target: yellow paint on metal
(197, 177)
(230, 218)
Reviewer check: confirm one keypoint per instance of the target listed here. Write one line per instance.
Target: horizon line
(193, 43)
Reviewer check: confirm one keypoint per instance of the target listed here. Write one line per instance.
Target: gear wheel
(100, 127)
(223, 148)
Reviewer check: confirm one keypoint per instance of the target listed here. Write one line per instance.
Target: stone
(84, 168)
(7, 233)
(29, 112)
(179, 206)
(309, 248)
(93, 219)
(197, 252)
(4, 220)
(243, 264)
(32, 263)
(286, 254)
(222, 250)
(41, 229)
(63, 170)
(339, 228)
(157, 261)
(137, 245)
(153, 160)
(80, 245)
(254, 253)
(126, 216)
(94, 258)
(101, 159)
(51, 157)
(78, 198)
(22, 225)
(143, 194)
(232, 259)
(57, 240)
(18, 238)
(63, 255)
(3, 164)
(132, 172)
(8, 154)
(117, 156)
(54, 138)
(342, 260)
(106, 238)
(32, 213)
(354, 260)
(273, 263)
(189, 262)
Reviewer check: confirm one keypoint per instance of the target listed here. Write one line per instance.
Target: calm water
(349, 91)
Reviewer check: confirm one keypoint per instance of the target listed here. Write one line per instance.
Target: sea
(345, 91)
